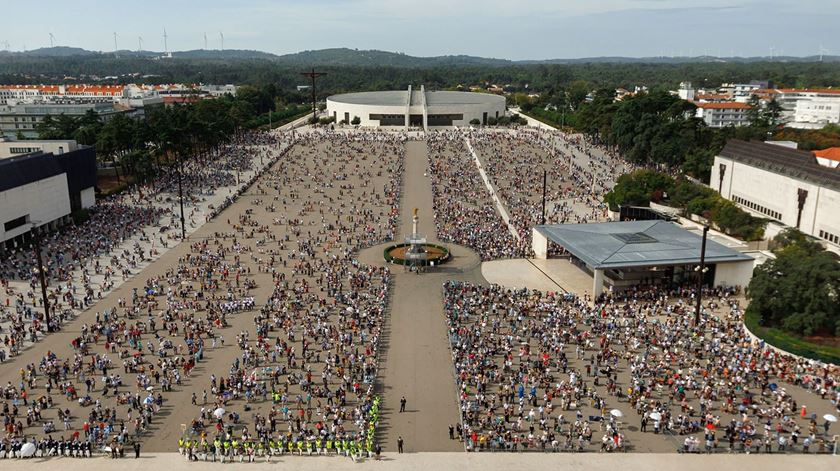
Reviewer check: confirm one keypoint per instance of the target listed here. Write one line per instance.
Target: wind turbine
(165, 43)
(52, 40)
(822, 51)
(222, 37)
(205, 41)
(139, 44)
(115, 44)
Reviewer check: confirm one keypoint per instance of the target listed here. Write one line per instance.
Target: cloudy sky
(513, 29)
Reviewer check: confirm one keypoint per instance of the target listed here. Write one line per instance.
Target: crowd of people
(578, 173)
(303, 379)
(464, 212)
(551, 371)
(115, 373)
(124, 232)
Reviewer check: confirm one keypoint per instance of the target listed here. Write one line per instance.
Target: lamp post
(41, 269)
(545, 177)
(701, 271)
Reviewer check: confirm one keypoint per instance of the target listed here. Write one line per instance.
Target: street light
(40, 270)
(701, 271)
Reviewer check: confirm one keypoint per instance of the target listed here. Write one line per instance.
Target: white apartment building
(806, 108)
(723, 114)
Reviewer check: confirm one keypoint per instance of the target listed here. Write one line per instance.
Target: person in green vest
(181, 445)
(318, 445)
(217, 448)
(290, 445)
(300, 448)
(309, 448)
(329, 445)
(187, 449)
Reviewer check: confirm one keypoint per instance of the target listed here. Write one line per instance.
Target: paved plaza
(278, 319)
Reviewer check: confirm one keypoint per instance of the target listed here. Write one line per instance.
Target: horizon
(538, 60)
(488, 29)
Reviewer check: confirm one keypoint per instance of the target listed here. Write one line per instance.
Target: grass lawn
(792, 343)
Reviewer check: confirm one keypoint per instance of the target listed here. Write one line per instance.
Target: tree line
(140, 147)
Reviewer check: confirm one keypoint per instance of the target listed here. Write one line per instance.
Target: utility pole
(702, 270)
(313, 75)
(545, 178)
(41, 275)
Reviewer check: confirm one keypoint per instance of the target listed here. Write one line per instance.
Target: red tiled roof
(727, 105)
(832, 153)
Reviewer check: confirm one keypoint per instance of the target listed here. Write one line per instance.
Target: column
(539, 243)
(597, 282)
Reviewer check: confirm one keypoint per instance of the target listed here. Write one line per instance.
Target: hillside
(345, 57)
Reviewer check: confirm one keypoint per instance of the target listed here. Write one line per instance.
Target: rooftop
(832, 153)
(782, 160)
(400, 98)
(724, 105)
(631, 244)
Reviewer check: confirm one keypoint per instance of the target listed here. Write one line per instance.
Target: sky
(509, 29)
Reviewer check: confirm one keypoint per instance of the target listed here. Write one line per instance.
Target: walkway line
(499, 206)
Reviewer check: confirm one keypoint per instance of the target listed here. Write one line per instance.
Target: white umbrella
(219, 413)
(27, 450)
(656, 416)
(150, 388)
(830, 418)
(616, 413)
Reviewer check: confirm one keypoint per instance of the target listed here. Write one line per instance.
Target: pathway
(417, 362)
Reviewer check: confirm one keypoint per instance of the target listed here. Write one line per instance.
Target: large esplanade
(415, 108)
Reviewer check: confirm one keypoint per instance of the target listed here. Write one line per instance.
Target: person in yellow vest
(318, 445)
(181, 445)
(234, 447)
(309, 448)
(187, 449)
(300, 447)
(289, 446)
(217, 449)
(329, 446)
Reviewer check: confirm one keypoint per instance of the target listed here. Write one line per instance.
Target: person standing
(399, 444)
(136, 449)
(402, 404)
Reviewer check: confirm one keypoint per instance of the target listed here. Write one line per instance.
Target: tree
(577, 92)
(638, 188)
(797, 291)
(698, 163)
(355, 121)
(475, 122)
